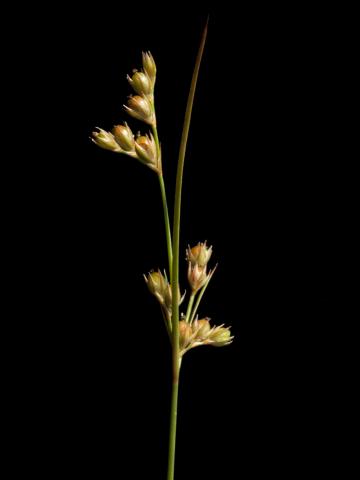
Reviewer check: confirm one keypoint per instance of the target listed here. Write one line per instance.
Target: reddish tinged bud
(140, 108)
(185, 334)
(203, 328)
(200, 254)
(124, 137)
(196, 276)
(146, 150)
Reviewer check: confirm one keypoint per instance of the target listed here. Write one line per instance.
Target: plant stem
(175, 269)
(202, 291)
(164, 202)
(197, 303)
(173, 421)
(189, 307)
(167, 222)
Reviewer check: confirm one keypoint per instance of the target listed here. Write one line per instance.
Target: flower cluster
(146, 148)
(141, 106)
(201, 333)
(192, 331)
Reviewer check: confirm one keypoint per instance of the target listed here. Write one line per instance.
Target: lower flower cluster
(201, 333)
(192, 331)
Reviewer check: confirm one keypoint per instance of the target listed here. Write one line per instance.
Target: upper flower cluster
(141, 106)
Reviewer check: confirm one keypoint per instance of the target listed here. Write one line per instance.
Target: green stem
(202, 291)
(197, 304)
(175, 269)
(167, 222)
(164, 202)
(173, 422)
(156, 137)
(189, 307)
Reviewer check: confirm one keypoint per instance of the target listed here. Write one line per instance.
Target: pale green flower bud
(106, 140)
(124, 137)
(140, 108)
(199, 254)
(157, 284)
(141, 83)
(149, 66)
(220, 337)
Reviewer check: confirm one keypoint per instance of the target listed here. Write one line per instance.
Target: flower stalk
(164, 204)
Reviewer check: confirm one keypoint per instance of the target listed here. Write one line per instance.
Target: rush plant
(186, 330)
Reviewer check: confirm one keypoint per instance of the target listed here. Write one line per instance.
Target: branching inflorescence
(186, 329)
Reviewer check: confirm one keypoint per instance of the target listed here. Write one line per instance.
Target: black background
(259, 185)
